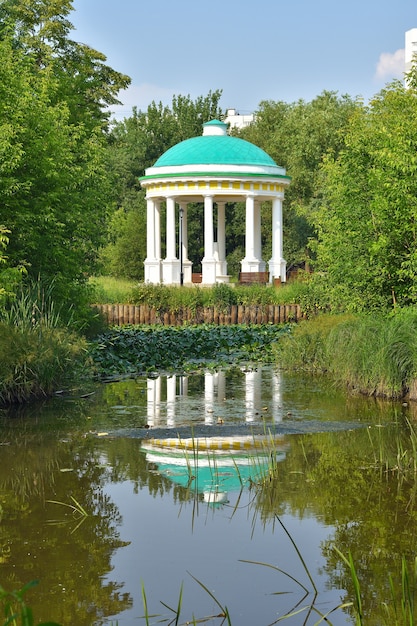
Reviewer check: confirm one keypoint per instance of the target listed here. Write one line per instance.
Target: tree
(297, 136)
(56, 192)
(40, 29)
(368, 223)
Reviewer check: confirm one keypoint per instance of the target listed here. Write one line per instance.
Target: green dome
(214, 150)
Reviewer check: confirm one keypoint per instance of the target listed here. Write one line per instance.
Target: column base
(278, 269)
(252, 265)
(152, 271)
(208, 267)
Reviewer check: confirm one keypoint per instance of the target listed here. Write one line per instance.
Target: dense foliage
(298, 135)
(367, 221)
(55, 190)
(139, 349)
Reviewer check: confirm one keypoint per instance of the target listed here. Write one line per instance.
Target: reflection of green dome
(216, 150)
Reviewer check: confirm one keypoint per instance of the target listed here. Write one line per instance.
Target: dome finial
(214, 127)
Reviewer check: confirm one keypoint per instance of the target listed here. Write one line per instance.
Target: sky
(250, 50)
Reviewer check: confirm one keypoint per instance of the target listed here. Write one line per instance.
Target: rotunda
(214, 169)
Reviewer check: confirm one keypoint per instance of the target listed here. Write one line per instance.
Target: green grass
(15, 609)
(111, 290)
(39, 352)
(370, 354)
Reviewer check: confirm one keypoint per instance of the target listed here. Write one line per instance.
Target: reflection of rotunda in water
(245, 395)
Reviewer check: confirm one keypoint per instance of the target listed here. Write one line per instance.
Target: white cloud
(141, 96)
(390, 65)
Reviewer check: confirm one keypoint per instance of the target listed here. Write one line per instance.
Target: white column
(277, 264)
(153, 259)
(170, 234)
(250, 228)
(170, 265)
(250, 263)
(158, 229)
(208, 263)
(150, 229)
(221, 240)
(258, 235)
(187, 265)
(208, 228)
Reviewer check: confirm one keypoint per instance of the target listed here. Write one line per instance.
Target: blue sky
(251, 50)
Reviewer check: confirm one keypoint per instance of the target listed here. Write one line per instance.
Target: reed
(39, 351)
(370, 354)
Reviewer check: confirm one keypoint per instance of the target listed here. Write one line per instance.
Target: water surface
(155, 523)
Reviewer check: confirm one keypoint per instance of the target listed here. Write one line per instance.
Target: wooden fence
(121, 314)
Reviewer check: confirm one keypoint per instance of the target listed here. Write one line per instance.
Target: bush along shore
(373, 354)
(39, 352)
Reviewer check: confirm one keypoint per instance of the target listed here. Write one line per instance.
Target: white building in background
(235, 120)
(410, 48)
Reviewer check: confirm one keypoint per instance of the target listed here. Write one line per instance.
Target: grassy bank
(114, 291)
(370, 354)
(39, 353)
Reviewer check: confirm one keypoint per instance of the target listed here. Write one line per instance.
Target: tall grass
(38, 351)
(371, 354)
(111, 290)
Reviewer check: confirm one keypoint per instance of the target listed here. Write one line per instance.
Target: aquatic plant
(139, 349)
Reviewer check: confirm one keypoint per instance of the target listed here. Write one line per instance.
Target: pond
(220, 489)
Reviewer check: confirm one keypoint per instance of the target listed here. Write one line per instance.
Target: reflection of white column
(221, 386)
(171, 396)
(276, 396)
(208, 398)
(153, 400)
(277, 265)
(253, 381)
(183, 383)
